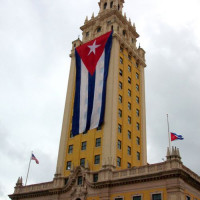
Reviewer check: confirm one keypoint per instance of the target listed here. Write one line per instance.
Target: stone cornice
(148, 173)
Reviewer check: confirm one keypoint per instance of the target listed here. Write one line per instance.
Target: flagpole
(169, 133)
(28, 168)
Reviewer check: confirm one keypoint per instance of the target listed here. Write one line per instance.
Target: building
(110, 162)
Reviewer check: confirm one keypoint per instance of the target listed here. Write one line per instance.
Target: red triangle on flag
(91, 51)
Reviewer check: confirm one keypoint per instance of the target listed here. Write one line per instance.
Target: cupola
(111, 4)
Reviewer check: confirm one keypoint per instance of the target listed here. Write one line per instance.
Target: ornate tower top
(111, 4)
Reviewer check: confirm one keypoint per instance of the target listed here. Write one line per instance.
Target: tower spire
(111, 4)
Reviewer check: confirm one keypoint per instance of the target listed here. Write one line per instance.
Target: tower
(109, 162)
(121, 141)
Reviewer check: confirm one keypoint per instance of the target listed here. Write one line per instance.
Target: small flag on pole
(34, 158)
(174, 136)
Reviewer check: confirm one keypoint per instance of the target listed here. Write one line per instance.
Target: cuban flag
(92, 64)
(174, 136)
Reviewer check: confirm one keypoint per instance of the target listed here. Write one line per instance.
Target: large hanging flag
(92, 63)
(174, 136)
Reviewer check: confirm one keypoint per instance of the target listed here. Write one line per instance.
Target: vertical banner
(92, 64)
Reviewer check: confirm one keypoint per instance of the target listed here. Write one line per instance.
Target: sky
(35, 43)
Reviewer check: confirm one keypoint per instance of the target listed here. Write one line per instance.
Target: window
(87, 34)
(69, 165)
(137, 64)
(70, 149)
(138, 126)
(118, 198)
(98, 29)
(97, 159)
(98, 142)
(120, 113)
(124, 33)
(129, 93)
(121, 60)
(129, 134)
(129, 68)
(119, 128)
(82, 162)
(118, 161)
(111, 4)
(187, 198)
(137, 100)
(137, 112)
(120, 85)
(137, 75)
(80, 180)
(121, 49)
(156, 197)
(138, 140)
(119, 144)
(129, 150)
(120, 99)
(129, 119)
(138, 155)
(137, 87)
(104, 6)
(120, 72)
(128, 165)
(129, 105)
(129, 57)
(83, 145)
(95, 178)
(129, 80)
(137, 198)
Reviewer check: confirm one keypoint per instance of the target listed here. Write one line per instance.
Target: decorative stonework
(168, 172)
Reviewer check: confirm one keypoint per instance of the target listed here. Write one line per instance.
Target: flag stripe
(106, 67)
(75, 120)
(83, 98)
(91, 87)
(98, 92)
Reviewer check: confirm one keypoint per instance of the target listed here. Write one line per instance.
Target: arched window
(124, 33)
(111, 4)
(105, 5)
(118, 6)
(98, 29)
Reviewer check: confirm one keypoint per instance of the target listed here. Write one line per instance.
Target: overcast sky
(35, 43)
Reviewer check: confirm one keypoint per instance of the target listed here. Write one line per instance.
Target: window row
(129, 79)
(119, 160)
(157, 196)
(121, 86)
(121, 60)
(129, 108)
(84, 145)
(120, 127)
(82, 162)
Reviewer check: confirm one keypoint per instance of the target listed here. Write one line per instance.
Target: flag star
(93, 47)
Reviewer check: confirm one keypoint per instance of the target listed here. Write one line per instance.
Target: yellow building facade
(110, 162)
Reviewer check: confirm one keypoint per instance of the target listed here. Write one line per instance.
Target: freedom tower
(103, 151)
